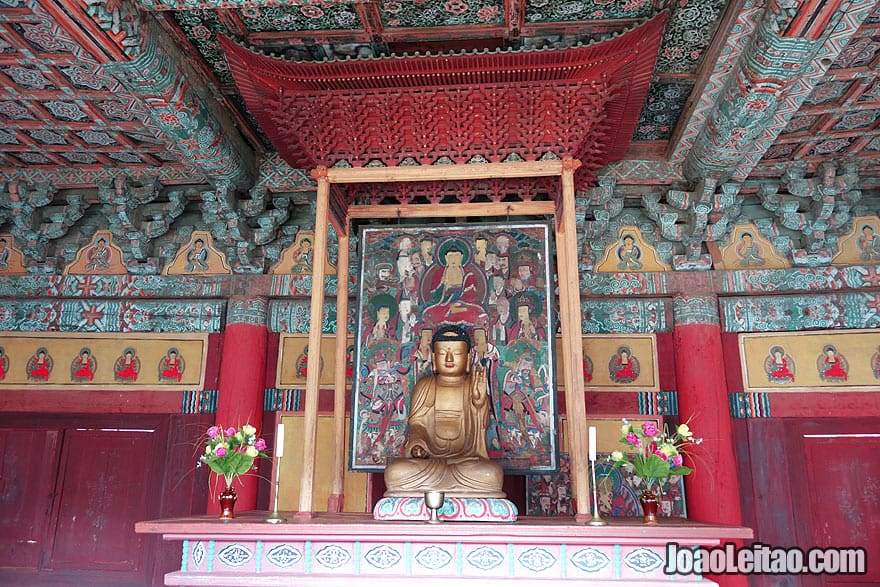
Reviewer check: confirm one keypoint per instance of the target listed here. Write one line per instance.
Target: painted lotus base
(455, 509)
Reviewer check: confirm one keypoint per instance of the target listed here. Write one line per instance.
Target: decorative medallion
(537, 559)
(234, 555)
(485, 558)
(332, 556)
(382, 556)
(643, 560)
(284, 555)
(433, 557)
(590, 560)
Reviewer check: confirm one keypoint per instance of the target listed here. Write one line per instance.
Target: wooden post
(316, 318)
(572, 347)
(335, 502)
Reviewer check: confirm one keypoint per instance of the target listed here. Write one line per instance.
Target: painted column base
(455, 509)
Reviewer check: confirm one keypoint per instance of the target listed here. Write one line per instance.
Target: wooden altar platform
(354, 549)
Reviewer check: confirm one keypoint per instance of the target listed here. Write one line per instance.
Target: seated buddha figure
(449, 414)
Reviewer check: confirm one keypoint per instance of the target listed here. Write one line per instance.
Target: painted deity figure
(624, 367)
(384, 392)
(40, 365)
(127, 366)
(197, 257)
(832, 365)
(869, 244)
(302, 257)
(749, 252)
(83, 368)
(449, 414)
(4, 254)
(779, 366)
(98, 256)
(629, 254)
(4, 364)
(454, 294)
(170, 367)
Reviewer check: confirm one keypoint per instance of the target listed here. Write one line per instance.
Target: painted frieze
(198, 256)
(493, 280)
(834, 360)
(103, 361)
(606, 316)
(802, 312)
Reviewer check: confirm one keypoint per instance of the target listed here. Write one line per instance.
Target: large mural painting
(491, 279)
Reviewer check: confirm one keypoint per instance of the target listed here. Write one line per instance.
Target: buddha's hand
(419, 452)
(478, 384)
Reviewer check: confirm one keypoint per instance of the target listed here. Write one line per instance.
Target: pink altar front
(353, 549)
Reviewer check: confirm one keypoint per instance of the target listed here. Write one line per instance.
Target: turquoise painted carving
(629, 315)
(803, 312)
(699, 309)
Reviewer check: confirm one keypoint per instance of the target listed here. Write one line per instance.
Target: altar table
(353, 549)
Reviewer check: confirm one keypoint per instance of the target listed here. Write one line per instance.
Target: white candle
(592, 443)
(279, 441)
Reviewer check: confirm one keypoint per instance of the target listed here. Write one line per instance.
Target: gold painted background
(64, 348)
(290, 349)
(600, 348)
(859, 348)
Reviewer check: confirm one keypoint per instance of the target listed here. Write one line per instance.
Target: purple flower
(677, 461)
(220, 451)
(649, 428)
(260, 444)
(213, 431)
(230, 431)
(633, 439)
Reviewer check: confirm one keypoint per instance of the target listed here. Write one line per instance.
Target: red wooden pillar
(713, 488)
(242, 382)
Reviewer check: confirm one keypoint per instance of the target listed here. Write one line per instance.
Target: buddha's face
(450, 357)
(454, 259)
(522, 312)
(383, 314)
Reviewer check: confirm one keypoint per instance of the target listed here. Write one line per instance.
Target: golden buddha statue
(449, 414)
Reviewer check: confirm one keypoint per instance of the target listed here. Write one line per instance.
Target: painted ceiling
(124, 115)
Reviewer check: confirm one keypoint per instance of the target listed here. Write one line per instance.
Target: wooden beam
(313, 366)
(335, 502)
(444, 172)
(434, 210)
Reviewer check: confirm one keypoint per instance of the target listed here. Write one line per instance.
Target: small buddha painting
(832, 365)
(4, 364)
(588, 368)
(171, 366)
(302, 363)
(11, 259)
(39, 366)
(299, 257)
(628, 254)
(875, 363)
(198, 256)
(99, 257)
(749, 252)
(779, 366)
(623, 366)
(127, 366)
(83, 366)
(861, 245)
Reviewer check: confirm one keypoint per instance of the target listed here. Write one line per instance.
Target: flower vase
(650, 503)
(227, 503)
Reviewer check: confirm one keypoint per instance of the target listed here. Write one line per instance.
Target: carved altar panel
(493, 279)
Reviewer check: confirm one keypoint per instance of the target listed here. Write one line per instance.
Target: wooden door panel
(29, 460)
(105, 489)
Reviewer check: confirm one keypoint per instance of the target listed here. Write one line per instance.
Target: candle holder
(596, 520)
(434, 501)
(275, 517)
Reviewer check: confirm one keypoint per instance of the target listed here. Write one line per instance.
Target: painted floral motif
(65, 111)
(29, 78)
(831, 146)
(859, 53)
(858, 119)
(874, 145)
(8, 138)
(206, 20)
(80, 157)
(48, 137)
(567, 10)
(116, 110)
(125, 157)
(688, 32)
(94, 137)
(45, 39)
(84, 79)
(15, 111)
(663, 106)
(827, 92)
(799, 124)
(441, 13)
(872, 93)
(36, 158)
(780, 151)
(312, 16)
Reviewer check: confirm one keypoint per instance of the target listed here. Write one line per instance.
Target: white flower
(251, 451)
(684, 431)
(248, 429)
(616, 456)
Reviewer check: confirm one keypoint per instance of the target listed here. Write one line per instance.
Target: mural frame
(499, 288)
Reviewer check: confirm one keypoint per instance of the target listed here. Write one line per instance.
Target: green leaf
(680, 471)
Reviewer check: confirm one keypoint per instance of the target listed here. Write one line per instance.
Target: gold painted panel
(608, 430)
(99, 257)
(298, 258)
(615, 362)
(103, 361)
(861, 246)
(746, 249)
(832, 360)
(11, 259)
(293, 356)
(198, 256)
(630, 254)
(355, 485)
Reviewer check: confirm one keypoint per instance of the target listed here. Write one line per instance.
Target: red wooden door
(813, 484)
(27, 476)
(106, 483)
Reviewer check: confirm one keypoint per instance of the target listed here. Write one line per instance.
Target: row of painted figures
(831, 365)
(84, 366)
